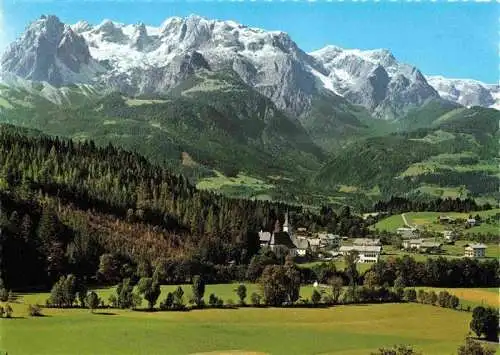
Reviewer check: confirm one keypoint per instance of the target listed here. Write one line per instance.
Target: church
(284, 239)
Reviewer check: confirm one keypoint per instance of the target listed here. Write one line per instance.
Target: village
(323, 246)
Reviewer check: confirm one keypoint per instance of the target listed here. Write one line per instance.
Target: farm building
(449, 236)
(366, 253)
(422, 245)
(366, 241)
(329, 240)
(407, 232)
(446, 219)
(475, 251)
(471, 222)
(430, 247)
(412, 243)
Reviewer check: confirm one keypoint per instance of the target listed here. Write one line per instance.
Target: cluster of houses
(469, 222)
(301, 243)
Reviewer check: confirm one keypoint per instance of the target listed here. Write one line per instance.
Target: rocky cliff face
(50, 51)
(376, 80)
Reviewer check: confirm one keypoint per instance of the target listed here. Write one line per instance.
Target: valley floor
(352, 329)
(338, 330)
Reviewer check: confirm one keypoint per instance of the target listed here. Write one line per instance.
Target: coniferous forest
(71, 207)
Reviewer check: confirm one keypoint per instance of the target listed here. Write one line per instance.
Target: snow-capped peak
(467, 92)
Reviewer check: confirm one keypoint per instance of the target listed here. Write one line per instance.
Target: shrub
(255, 298)
(34, 310)
(215, 301)
(328, 299)
(92, 301)
(397, 350)
(178, 298)
(410, 295)
(8, 311)
(454, 302)
(113, 301)
(136, 300)
(241, 291)
(2, 311)
(4, 295)
(168, 302)
(230, 302)
(316, 297)
(472, 347)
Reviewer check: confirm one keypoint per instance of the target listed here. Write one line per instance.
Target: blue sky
(458, 40)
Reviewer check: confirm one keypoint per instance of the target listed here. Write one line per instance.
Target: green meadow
(429, 220)
(354, 329)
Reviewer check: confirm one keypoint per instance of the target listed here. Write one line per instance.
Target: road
(404, 220)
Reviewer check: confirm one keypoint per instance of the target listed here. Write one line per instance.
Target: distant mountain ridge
(140, 59)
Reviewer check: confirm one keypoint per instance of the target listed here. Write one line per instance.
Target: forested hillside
(457, 153)
(65, 204)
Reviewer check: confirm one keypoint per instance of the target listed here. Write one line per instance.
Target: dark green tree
(150, 290)
(241, 291)
(198, 290)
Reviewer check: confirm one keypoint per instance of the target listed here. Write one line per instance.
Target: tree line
(397, 205)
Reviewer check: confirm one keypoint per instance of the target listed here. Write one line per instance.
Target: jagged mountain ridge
(467, 92)
(140, 59)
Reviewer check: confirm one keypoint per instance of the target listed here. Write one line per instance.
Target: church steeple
(286, 226)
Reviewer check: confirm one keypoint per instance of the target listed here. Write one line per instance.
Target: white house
(366, 253)
(475, 251)
(264, 238)
(412, 243)
(471, 222)
(407, 232)
(302, 245)
(449, 236)
(366, 241)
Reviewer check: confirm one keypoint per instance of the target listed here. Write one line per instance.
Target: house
(329, 240)
(366, 253)
(430, 247)
(315, 244)
(264, 238)
(407, 232)
(422, 245)
(446, 219)
(366, 241)
(302, 246)
(471, 222)
(412, 243)
(449, 236)
(475, 251)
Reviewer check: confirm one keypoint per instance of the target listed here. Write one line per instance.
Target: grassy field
(241, 184)
(348, 330)
(472, 296)
(452, 251)
(429, 220)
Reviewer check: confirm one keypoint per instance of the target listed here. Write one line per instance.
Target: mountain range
(230, 97)
(139, 59)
